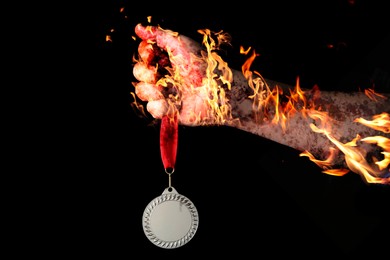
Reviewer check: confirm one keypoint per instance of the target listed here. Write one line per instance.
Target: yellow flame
(354, 155)
(243, 51)
(265, 99)
(379, 122)
(325, 164)
(137, 106)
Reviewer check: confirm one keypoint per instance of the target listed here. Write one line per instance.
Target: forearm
(290, 122)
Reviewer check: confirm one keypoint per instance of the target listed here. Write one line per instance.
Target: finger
(145, 73)
(153, 55)
(157, 108)
(148, 92)
(166, 39)
(145, 51)
(146, 32)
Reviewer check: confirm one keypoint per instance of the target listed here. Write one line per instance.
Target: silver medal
(170, 220)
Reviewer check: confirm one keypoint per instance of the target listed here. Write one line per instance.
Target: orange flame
(264, 99)
(380, 122)
(354, 155)
(372, 94)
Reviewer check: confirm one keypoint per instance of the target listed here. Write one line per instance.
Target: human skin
(322, 123)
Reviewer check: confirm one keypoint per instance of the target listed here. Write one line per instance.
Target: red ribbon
(168, 141)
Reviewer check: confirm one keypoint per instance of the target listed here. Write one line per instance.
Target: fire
(372, 94)
(380, 122)
(354, 155)
(212, 88)
(275, 107)
(215, 85)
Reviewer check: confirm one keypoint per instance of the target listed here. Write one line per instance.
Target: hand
(171, 72)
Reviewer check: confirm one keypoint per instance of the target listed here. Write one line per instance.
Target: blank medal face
(170, 220)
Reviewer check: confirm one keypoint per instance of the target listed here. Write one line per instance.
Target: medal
(171, 219)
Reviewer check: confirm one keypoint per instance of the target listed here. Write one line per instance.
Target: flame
(380, 122)
(243, 51)
(275, 107)
(372, 94)
(266, 100)
(137, 106)
(213, 86)
(354, 155)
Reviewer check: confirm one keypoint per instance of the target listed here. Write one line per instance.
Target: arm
(176, 74)
(334, 113)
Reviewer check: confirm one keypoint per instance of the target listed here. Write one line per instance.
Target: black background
(254, 197)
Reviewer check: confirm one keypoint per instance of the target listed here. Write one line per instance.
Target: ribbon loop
(168, 141)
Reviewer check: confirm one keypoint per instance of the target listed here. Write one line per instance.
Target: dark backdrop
(254, 197)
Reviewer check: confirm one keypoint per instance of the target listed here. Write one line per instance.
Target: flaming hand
(176, 75)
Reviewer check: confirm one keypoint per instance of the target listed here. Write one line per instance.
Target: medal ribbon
(168, 141)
